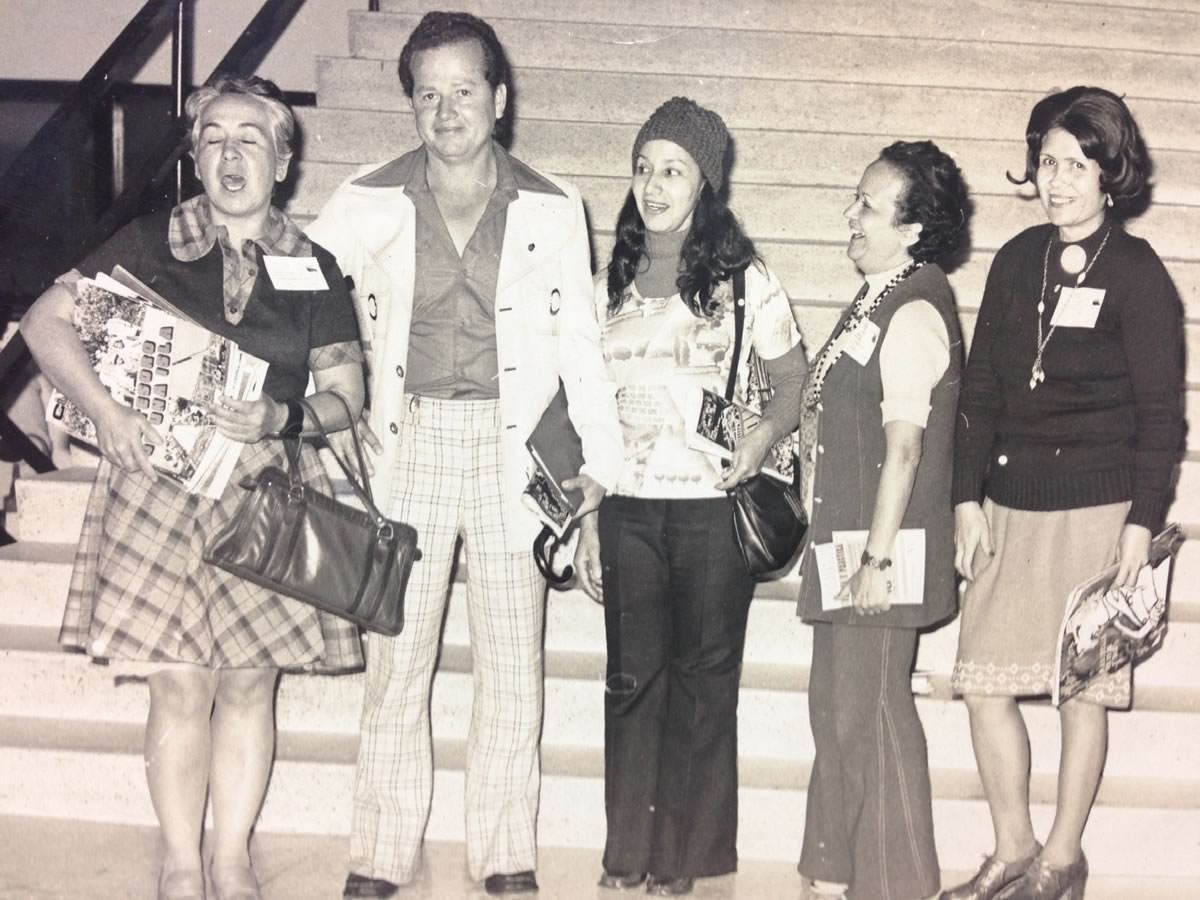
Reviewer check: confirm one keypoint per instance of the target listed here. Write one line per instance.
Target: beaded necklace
(829, 355)
(1037, 374)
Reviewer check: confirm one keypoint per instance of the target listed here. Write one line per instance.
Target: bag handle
(739, 326)
(362, 489)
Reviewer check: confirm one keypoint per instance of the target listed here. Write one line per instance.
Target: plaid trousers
(448, 485)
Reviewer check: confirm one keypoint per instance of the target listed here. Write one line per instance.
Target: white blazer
(545, 320)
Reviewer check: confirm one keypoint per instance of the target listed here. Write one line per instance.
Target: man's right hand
(587, 558)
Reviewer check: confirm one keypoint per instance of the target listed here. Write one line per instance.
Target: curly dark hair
(1107, 133)
(438, 29)
(935, 195)
(715, 248)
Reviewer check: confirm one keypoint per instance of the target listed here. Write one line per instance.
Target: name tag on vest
(860, 342)
(295, 273)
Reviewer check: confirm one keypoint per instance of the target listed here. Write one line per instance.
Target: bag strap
(739, 325)
(362, 489)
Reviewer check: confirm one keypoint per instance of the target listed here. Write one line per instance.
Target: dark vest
(851, 450)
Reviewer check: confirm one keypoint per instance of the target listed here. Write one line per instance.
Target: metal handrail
(243, 58)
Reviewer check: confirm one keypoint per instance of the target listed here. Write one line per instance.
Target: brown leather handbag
(290, 538)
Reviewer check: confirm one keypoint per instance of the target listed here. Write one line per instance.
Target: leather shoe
(514, 883)
(618, 881)
(1042, 881)
(358, 886)
(669, 887)
(993, 877)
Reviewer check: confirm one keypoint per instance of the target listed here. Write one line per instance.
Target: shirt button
(393, 429)
(1002, 459)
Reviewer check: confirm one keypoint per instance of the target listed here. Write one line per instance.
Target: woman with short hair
(1069, 427)
(141, 594)
(878, 425)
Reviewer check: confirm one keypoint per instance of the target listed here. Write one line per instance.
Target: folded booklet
(1105, 628)
(557, 454)
(840, 558)
(157, 361)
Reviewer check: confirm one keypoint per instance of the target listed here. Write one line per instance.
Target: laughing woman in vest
(878, 422)
(1069, 428)
(211, 643)
(661, 550)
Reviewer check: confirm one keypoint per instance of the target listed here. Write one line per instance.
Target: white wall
(59, 40)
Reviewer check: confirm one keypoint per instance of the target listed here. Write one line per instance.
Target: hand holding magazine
(715, 425)
(155, 360)
(1105, 628)
(838, 560)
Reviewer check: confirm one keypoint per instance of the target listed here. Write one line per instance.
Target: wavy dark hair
(935, 195)
(1107, 133)
(715, 248)
(439, 29)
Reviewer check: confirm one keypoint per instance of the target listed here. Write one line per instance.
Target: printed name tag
(295, 273)
(860, 343)
(1078, 307)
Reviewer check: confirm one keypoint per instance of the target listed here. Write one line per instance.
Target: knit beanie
(699, 131)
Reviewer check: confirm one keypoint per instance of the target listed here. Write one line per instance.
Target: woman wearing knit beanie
(660, 553)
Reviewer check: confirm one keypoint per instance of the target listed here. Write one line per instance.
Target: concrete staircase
(811, 92)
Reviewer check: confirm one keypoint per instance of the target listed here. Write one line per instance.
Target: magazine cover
(167, 368)
(1104, 628)
(838, 560)
(557, 454)
(715, 425)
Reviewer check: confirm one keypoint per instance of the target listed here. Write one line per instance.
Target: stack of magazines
(154, 359)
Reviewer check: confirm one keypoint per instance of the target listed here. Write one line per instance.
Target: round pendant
(1073, 259)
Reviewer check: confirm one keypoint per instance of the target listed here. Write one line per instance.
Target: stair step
(778, 644)
(57, 858)
(318, 719)
(1072, 25)
(781, 99)
(769, 211)
(312, 797)
(858, 58)
(764, 155)
(50, 507)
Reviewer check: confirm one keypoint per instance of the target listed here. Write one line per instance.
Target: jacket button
(400, 371)
(816, 499)
(393, 429)
(1002, 459)
(820, 448)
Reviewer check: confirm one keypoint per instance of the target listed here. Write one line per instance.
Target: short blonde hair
(283, 122)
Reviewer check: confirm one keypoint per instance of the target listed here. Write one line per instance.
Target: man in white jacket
(473, 288)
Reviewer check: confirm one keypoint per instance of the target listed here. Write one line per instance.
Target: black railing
(33, 250)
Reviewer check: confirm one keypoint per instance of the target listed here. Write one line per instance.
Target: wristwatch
(880, 563)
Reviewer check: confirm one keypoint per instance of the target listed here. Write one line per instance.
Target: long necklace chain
(1037, 374)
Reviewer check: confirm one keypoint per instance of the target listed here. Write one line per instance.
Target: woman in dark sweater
(1069, 426)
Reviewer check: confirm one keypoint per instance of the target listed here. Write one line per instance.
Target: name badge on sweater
(295, 273)
(860, 341)
(1078, 307)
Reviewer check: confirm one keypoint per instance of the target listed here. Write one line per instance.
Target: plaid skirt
(140, 589)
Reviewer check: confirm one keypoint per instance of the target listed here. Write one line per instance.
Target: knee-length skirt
(140, 589)
(1012, 611)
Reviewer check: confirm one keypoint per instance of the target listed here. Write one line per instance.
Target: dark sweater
(1106, 425)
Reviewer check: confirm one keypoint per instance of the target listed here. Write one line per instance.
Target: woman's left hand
(868, 591)
(1133, 552)
(749, 454)
(247, 421)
